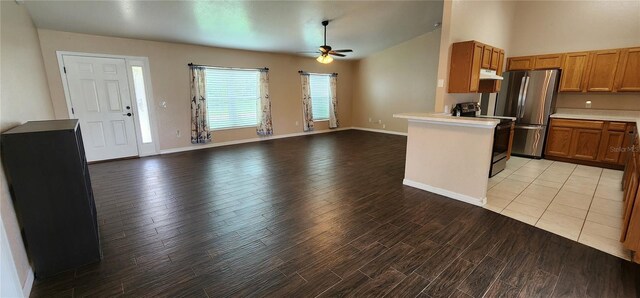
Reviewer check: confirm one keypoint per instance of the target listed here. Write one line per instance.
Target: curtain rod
(224, 67)
(316, 73)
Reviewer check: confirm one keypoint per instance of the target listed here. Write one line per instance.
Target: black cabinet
(49, 181)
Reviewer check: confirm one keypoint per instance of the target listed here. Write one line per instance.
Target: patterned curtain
(199, 124)
(265, 127)
(307, 112)
(333, 105)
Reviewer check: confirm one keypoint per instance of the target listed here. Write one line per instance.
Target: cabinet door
(602, 70)
(548, 61)
(574, 68)
(499, 70)
(495, 56)
(559, 141)
(486, 57)
(475, 67)
(585, 143)
(627, 144)
(520, 63)
(611, 146)
(628, 73)
(513, 128)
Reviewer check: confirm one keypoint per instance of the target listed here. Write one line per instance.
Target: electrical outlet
(370, 120)
(384, 126)
(177, 133)
(379, 121)
(587, 104)
(296, 123)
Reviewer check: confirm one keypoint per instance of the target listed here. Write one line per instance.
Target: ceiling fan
(326, 52)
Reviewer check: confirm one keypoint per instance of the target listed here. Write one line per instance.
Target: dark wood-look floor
(321, 215)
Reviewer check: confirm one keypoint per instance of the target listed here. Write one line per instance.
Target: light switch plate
(440, 83)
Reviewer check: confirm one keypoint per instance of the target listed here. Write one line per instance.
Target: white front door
(101, 101)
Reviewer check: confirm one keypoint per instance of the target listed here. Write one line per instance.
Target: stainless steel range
(501, 135)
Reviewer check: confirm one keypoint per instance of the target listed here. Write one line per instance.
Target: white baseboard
(380, 131)
(257, 139)
(28, 284)
(446, 193)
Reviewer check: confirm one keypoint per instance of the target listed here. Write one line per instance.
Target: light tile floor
(577, 202)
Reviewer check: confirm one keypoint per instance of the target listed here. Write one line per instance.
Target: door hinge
(73, 111)
(64, 68)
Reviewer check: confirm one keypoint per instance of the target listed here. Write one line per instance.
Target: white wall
(170, 79)
(545, 27)
(488, 22)
(24, 96)
(541, 27)
(396, 80)
(571, 26)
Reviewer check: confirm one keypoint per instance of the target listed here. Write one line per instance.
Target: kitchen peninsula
(449, 155)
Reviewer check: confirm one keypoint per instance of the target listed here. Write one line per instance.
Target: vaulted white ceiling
(271, 26)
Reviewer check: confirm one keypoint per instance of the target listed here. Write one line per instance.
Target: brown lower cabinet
(604, 143)
(630, 235)
(599, 143)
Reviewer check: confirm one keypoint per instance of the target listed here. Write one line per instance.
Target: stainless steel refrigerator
(529, 96)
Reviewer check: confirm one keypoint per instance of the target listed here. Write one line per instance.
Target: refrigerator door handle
(524, 96)
(519, 107)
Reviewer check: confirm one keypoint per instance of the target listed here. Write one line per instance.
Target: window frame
(257, 97)
(328, 98)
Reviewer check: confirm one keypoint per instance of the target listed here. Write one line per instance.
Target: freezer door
(508, 99)
(528, 140)
(538, 97)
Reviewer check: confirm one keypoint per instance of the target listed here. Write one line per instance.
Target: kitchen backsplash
(617, 101)
(598, 112)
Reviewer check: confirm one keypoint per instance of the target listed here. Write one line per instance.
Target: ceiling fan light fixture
(324, 59)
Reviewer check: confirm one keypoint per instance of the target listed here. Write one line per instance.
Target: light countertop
(447, 119)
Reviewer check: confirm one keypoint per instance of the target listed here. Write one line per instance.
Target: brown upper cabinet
(520, 63)
(628, 73)
(548, 61)
(467, 58)
(573, 71)
(616, 70)
(602, 70)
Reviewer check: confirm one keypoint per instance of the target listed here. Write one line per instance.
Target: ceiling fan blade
(309, 52)
(337, 54)
(323, 49)
(343, 51)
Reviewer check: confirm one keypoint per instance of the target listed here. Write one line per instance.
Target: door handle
(524, 96)
(127, 114)
(519, 107)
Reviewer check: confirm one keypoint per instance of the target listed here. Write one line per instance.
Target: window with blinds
(320, 96)
(232, 97)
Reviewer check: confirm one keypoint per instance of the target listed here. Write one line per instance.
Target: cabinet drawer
(577, 123)
(617, 126)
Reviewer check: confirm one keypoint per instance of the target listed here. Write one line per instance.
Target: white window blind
(320, 96)
(232, 97)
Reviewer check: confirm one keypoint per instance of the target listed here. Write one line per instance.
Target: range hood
(487, 74)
